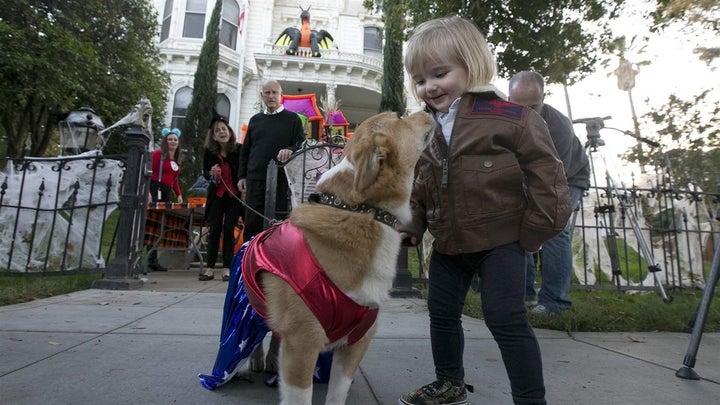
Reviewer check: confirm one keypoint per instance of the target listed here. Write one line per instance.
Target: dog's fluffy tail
(242, 329)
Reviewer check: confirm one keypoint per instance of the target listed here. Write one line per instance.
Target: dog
(319, 278)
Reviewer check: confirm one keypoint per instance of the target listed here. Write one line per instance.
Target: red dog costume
(283, 251)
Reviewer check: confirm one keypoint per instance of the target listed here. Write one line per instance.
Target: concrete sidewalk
(147, 346)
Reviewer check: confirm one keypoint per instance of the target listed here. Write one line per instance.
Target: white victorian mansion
(349, 74)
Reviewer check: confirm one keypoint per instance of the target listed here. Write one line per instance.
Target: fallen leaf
(637, 340)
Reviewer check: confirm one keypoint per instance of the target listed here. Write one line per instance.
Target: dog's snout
(428, 127)
(423, 128)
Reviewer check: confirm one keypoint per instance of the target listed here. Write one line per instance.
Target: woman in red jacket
(166, 164)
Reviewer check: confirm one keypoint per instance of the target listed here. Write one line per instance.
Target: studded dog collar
(334, 201)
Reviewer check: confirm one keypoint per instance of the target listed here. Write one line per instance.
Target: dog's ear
(369, 162)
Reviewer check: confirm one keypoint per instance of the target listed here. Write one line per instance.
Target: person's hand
(216, 171)
(242, 185)
(284, 155)
(179, 199)
(408, 240)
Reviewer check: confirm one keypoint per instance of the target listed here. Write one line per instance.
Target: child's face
(439, 84)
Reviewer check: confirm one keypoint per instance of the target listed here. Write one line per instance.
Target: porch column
(330, 90)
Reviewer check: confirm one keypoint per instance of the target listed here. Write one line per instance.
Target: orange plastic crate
(196, 200)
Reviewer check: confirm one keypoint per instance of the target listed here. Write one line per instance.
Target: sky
(674, 69)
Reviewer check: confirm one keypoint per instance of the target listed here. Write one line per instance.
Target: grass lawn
(592, 311)
(606, 311)
(17, 289)
(609, 311)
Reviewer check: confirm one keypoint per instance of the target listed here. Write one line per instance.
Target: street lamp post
(79, 131)
(402, 285)
(122, 270)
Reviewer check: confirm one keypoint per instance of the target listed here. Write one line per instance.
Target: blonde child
(488, 187)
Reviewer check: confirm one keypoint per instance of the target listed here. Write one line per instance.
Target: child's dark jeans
(502, 290)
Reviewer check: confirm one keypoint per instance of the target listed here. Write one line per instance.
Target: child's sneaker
(438, 392)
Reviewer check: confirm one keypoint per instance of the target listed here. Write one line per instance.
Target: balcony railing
(328, 55)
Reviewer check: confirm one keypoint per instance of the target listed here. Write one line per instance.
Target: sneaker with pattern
(543, 310)
(438, 392)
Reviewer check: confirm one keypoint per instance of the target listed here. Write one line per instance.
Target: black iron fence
(303, 170)
(58, 214)
(632, 238)
(62, 214)
(637, 238)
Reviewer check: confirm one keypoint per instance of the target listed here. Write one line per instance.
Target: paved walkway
(147, 346)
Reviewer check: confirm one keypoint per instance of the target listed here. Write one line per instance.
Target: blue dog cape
(242, 331)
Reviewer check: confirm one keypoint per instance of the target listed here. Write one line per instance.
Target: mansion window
(194, 19)
(222, 105)
(183, 97)
(229, 24)
(372, 44)
(180, 106)
(166, 19)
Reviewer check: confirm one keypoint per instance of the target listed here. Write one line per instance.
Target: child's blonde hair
(451, 38)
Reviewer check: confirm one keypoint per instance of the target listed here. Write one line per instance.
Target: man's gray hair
(528, 75)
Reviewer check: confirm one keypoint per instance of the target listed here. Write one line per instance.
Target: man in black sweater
(528, 88)
(274, 133)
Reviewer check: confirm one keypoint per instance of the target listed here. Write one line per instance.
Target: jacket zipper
(444, 181)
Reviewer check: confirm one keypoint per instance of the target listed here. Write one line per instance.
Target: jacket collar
(486, 88)
(277, 110)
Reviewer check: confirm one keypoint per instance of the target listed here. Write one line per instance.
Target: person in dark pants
(274, 133)
(222, 209)
(528, 88)
(488, 188)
